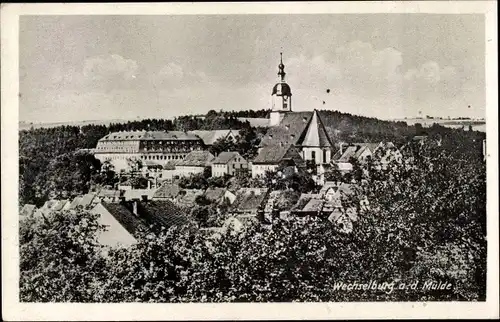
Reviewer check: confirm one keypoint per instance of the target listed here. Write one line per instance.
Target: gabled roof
(187, 197)
(215, 194)
(127, 219)
(164, 213)
(313, 205)
(170, 165)
(87, 199)
(167, 190)
(271, 154)
(348, 154)
(197, 159)
(75, 202)
(107, 193)
(209, 137)
(342, 187)
(371, 146)
(315, 133)
(288, 131)
(59, 205)
(27, 210)
(249, 199)
(225, 157)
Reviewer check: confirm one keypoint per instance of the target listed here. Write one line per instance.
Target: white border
(13, 310)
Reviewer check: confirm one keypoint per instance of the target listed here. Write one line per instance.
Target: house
(167, 191)
(271, 158)
(187, 197)
(61, 205)
(343, 219)
(107, 195)
(215, 195)
(249, 201)
(229, 163)
(194, 163)
(139, 194)
(210, 137)
(121, 225)
(343, 157)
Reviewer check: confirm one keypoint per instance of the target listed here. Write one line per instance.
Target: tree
(60, 258)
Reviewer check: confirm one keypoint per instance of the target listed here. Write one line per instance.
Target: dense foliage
(425, 222)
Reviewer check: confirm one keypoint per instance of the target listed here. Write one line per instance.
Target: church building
(305, 131)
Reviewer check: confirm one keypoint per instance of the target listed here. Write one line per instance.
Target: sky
(128, 67)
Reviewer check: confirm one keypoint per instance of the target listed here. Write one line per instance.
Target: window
(313, 155)
(324, 156)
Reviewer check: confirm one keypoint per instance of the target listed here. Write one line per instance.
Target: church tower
(281, 97)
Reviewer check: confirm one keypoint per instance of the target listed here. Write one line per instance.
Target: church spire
(281, 68)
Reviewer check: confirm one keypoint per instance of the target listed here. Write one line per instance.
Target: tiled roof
(313, 205)
(75, 202)
(197, 159)
(59, 205)
(170, 165)
(289, 130)
(209, 137)
(215, 194)
(315, 133)
(271, 154)
(371, 146)
(87, 200)
(27, 210)
(348, 153)
(127, 219)
(150, 135)
(167, 190)
(249, 199)
(164, 213)
(107, 193)
(225, 157)
(187, 197)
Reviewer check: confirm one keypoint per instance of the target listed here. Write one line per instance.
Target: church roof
(315, 134)
(271, 154)
(288, 131)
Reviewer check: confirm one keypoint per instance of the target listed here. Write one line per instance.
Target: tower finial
(281, 67)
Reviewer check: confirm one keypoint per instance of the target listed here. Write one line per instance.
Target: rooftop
(197, 159)
(225, 157)
(149, 136)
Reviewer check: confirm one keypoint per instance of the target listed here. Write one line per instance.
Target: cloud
(110, 67)
(174, 75)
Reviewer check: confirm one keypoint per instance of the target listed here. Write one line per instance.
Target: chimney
(122, 199)
(144, 198)
(134, 208)
(341, 147)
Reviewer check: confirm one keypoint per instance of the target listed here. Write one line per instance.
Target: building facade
(229, 163)
(119, 148)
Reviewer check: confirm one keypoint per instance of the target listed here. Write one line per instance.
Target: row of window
(162, 157)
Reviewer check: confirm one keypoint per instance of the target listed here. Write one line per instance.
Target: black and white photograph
(223, 158)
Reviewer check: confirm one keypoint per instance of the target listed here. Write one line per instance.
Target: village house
(271, 158)
(194, 163)
(167, 191)
(249, 201)
(229, 163)
(121, 225)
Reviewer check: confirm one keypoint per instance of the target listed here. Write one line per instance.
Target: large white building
(158, 146)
